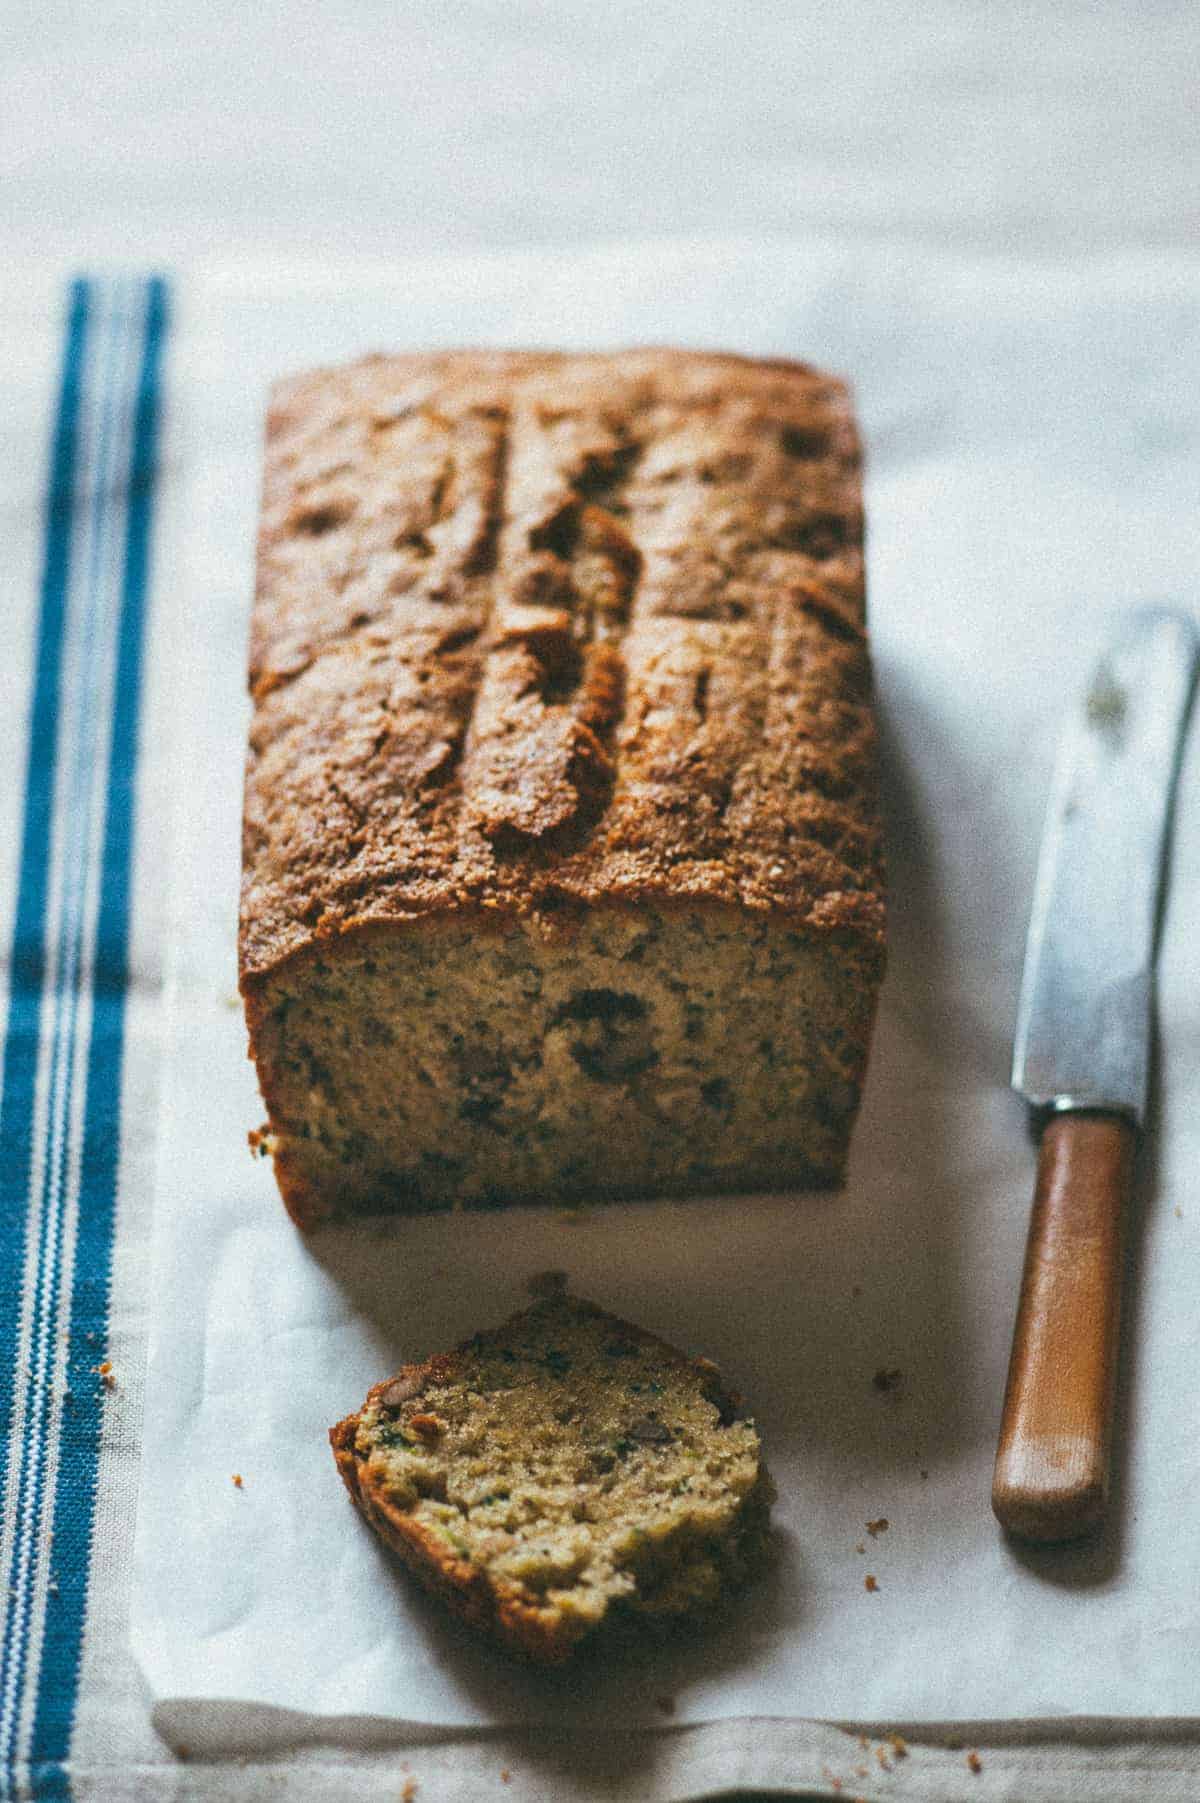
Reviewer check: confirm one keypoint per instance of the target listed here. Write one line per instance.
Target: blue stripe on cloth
(74, 1503)
(64, 1049)
(28, 959)
(27, 967)
(33, 1387)
(91, 602)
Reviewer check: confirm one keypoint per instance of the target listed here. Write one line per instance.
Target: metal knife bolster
(1084, 1018)
(1103, 1062)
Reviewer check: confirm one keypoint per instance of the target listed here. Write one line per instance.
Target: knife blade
(1081, 1060)
(1083, 1020)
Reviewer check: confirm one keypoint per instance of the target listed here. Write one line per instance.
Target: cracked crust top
(534, 629)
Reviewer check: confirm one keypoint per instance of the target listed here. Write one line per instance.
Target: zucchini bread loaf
(562, 858)
(559, 1472)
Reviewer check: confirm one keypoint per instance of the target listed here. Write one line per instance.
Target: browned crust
(535, 629)
(463, 1587)
(310, 1205)
(495, 1609)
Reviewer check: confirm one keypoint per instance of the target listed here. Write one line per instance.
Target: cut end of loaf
(473, 1066)
(561, 1474)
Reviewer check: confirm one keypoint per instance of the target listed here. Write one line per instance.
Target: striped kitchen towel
(96, 451)
(77, 564)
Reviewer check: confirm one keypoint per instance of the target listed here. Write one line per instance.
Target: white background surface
(1033, 441)
(167, 129)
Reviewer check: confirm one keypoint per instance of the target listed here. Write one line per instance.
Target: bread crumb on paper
(871, 1582)
(106, 1374)
(899, 1745)
(506, 1776)
(874, 1528)
(408, 1790)
(238, 1481)
(974, 1763)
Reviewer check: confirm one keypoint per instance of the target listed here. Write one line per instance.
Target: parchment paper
(1032, 442)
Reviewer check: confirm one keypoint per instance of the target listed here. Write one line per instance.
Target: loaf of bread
(562, 862)
(561, 1472)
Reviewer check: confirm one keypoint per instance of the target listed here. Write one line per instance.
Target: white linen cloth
(1032, 436)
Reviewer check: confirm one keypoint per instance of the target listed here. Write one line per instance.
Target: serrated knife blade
(1081, 1059)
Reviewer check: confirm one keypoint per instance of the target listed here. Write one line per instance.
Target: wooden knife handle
(1051, 1476)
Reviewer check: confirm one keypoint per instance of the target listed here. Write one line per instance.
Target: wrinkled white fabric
(1031, 438)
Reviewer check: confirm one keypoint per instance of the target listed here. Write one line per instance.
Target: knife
(1081, 1060)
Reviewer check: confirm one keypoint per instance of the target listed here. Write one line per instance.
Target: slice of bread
(559, 1472)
